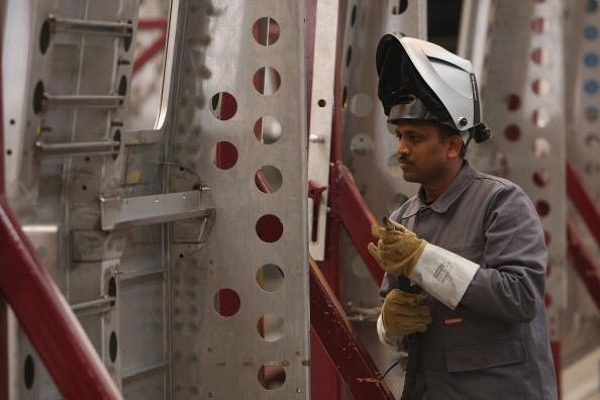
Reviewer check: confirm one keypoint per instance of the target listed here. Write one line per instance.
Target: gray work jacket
(495, 344)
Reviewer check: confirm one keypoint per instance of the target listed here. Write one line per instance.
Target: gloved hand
(398, 248)
(402, 315)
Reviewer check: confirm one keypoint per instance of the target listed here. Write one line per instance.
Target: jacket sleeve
(510, 282)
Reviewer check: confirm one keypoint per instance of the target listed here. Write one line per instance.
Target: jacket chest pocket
(485, 355)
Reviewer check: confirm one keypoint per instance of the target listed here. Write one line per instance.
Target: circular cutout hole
(322, 103)
(266, 81)
(269, 228)
(39, 98)
(592, 141)
(29, 372)
(540, 87)
(270, 327)
(348, 56)
(123, 86)
(112, 347)
(226, 302)
(226, 155)
(269, 277)
(512, 132)
(353, 16)
(590, 32)
(539, 56)
(112, 287)
(116, 138)
(547, 300)
(541, 148)
(361, 105)
(539, 25)
(547, 237)
(45, 34)
(590, 86)
(513, 102)
(265, 31)
(271, 376)
(267, 130)
(223, 106)
(591, 6)
(591, 113)
(361, 144)
(543, 208)
(398, 7)
(590, 60)
(268, 179)
(541, 177)
(540, 118)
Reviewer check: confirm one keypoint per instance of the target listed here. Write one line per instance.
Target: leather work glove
(402, 315)
(398, 248)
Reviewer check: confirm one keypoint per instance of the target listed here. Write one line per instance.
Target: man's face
(424, 151)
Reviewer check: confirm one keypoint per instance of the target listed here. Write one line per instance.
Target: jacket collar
(462, 181)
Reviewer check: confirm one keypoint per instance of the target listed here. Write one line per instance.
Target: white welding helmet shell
(421, 80)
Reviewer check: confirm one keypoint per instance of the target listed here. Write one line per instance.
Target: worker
(465, 259)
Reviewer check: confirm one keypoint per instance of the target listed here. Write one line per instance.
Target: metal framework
(166, 243)
(173, 261)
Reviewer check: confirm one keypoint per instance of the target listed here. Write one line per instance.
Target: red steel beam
(47, 318)
(583, 262)
(155, 47)
(153, 23)
(350, 207)
(353, 363)
(583, 201)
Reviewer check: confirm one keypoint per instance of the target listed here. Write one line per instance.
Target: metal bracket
(117, 212)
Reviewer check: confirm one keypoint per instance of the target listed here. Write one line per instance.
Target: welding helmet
(421, 80)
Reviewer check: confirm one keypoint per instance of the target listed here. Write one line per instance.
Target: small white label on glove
(443, 274)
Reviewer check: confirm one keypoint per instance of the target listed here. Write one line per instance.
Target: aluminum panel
(229, 327)
(524, 105)
(321, 116)
(63, 191)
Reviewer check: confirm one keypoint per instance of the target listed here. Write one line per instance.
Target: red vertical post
(583, 201)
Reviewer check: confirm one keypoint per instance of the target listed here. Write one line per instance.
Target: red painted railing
(157, 44)
(46, 317)
(581, 258)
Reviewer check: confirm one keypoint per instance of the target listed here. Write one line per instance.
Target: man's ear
(455, 145)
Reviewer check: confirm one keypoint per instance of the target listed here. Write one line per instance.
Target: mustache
(404, 158)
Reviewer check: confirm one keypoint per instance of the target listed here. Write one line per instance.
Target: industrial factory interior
(188, 190)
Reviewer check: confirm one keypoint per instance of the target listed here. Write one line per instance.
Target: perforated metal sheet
(240, 300)
(524, 105)
(209, 306)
